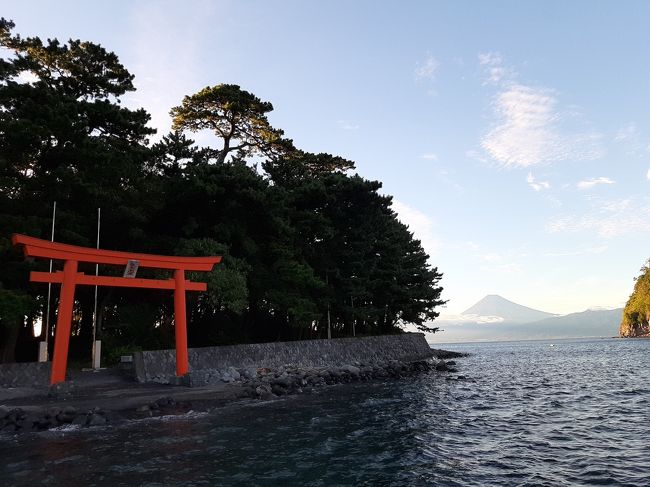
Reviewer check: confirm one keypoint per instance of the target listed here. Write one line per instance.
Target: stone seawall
(25, 374)
(160, 365)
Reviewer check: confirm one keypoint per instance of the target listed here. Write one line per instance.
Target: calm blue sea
(572, 412)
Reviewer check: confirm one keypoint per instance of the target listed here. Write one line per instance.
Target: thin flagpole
(49, 285)
(99, 218)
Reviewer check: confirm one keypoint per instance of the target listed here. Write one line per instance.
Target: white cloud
(610, 219)
(476, 155)
(537, 185)
(506, 262)
(346, 125)
(629, 138)
(526, 133)
(627, 132)
(505, 268)
(473, 246)
(429, 156)
(590, 183)
(449, 319)
(648, 175)
(617, 205)
(420, 224)
(427, 70)
(573, 253)
(495, 70)
(490, 257)
(490, 58)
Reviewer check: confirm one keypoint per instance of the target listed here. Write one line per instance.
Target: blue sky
(514, 136)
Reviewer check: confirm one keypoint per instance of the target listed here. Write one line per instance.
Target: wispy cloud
(490, 257)
(648, 175)
(427, 70)
(630, 139)
(617, 205)
(527, 134)
(608, 220)
(489, 261)
(626, 132)
(529, 128)
(535, 184)
(590, 183)
(494, 68)
(420, 224)
(472, 246)
(429, 156)
(346, 125)
(459, 320)
(505, 268)
(476, 155)
(574, 253)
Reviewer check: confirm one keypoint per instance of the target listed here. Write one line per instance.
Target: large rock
(352, 370)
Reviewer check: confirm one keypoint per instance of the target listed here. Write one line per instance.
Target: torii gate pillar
(64, 322)
(70, 278)
(180, 327)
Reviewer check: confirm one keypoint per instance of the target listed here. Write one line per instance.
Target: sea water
(573, 412)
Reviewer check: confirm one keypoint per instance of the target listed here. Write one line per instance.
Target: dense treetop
(308, 245)
(636, 314)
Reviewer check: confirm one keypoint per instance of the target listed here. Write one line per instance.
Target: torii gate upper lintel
(69, 278)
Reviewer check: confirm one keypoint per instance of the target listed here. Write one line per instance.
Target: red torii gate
(69, 278)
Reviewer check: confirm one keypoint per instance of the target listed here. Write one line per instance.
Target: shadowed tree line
(308, 245)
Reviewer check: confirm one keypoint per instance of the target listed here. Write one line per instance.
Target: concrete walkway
(109, 389)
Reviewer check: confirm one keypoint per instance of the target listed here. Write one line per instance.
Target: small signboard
(131, 269)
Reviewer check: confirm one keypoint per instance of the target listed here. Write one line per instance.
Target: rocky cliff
(636, 314)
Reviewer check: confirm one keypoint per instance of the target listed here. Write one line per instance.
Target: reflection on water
(526, 414)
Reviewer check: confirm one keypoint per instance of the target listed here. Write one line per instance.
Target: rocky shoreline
(67, 404)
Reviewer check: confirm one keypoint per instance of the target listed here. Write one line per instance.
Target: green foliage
(64, 137)
(77, 69)
(227, 289)
(298, 166)
(236, 116)
(636, 314)
(302, 239)
(377, 275)
(14, 306)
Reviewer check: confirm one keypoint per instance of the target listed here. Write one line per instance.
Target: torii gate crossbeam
(69, 278)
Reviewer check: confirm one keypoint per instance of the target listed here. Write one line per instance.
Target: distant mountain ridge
(589, 323)
(495, 305)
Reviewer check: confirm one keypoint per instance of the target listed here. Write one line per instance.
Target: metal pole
(329, 322)
(96, 346)
(354, 331)
(43, 354)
